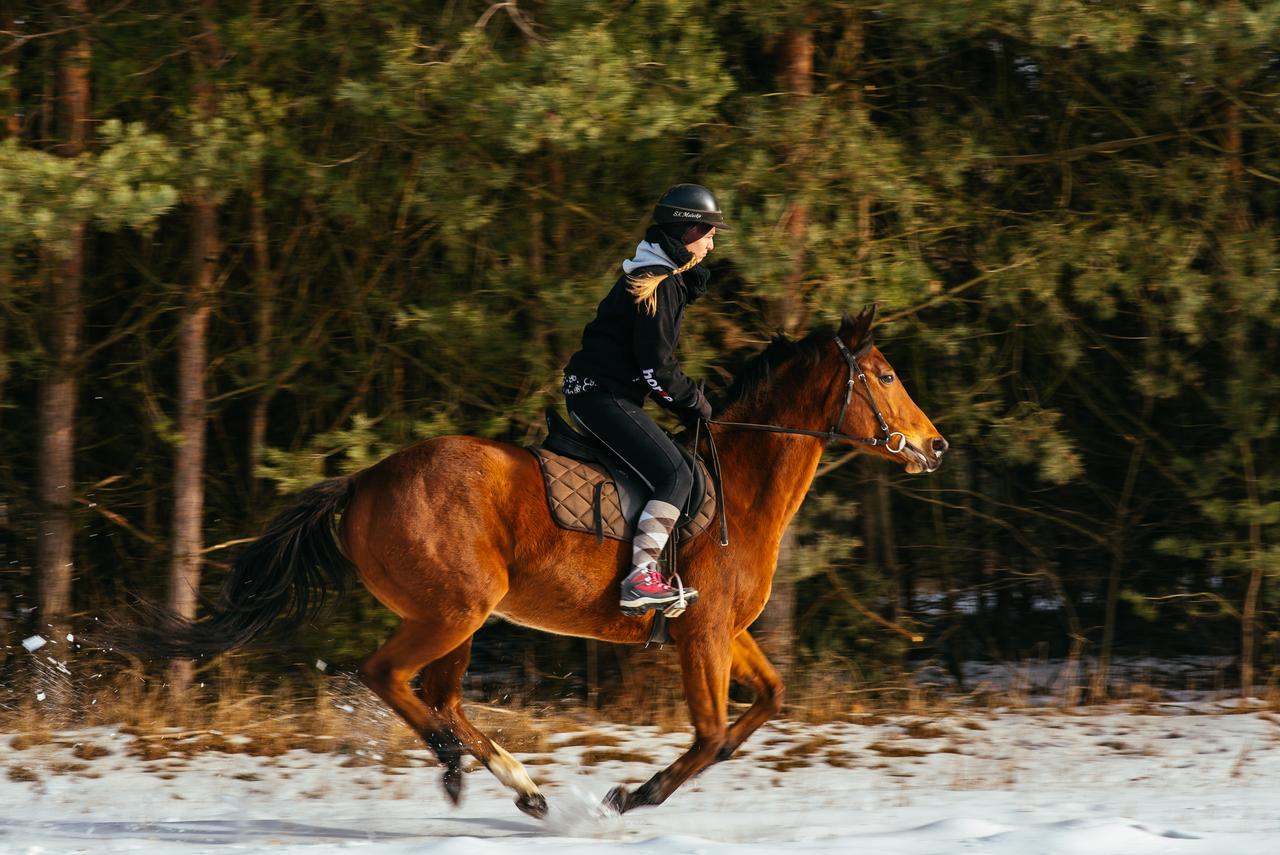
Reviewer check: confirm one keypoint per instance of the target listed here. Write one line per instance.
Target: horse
(454, 529)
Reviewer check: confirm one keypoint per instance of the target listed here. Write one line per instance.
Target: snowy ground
(1177, 777)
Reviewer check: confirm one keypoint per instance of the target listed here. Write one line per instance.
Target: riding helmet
(689, 204)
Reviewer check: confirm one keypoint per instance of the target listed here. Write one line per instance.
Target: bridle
(830, 435)
(833, 433)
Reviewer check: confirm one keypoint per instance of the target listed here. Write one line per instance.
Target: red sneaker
(645, 589)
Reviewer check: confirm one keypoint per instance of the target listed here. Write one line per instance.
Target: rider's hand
(700, 410)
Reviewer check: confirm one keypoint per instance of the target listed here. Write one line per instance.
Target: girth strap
(597, 511)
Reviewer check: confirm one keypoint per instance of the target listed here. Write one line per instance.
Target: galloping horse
(454, 529)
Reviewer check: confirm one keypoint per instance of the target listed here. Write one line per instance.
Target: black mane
(754, 377)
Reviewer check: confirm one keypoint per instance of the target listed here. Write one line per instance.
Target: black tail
(281, 578)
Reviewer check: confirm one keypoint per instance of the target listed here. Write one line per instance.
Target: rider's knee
(676, 486)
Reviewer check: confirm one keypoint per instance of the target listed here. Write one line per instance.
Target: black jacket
(632, 353)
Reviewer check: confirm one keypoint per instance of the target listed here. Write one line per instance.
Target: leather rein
(830, 435)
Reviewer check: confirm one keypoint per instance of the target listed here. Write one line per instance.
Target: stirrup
(677, 608)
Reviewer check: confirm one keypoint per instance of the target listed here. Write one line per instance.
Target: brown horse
(452, 530)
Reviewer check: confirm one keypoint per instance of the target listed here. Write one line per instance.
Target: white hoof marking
(508, 770)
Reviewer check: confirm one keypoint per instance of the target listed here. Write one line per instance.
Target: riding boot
(644, 588)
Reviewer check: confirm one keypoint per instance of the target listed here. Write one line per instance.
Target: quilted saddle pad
(582, 497)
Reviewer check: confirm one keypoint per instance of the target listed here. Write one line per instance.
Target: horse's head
(920, 447)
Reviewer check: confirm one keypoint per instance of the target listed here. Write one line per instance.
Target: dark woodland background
(246, 244)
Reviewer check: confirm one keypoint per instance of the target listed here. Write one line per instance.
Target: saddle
(590, 489)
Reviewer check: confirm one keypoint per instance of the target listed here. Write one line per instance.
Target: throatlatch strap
(597, 511)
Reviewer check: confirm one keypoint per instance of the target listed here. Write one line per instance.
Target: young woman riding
(628, 355)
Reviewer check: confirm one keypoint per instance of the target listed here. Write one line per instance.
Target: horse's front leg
(751, 668)
(705, 656)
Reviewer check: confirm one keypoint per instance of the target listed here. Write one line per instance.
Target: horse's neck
(766, 475)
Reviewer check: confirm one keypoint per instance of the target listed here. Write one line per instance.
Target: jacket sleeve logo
(648, 378)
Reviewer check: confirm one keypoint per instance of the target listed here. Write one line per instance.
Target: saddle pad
(571, 491)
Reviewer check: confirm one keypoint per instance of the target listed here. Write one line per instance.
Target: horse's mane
(754, 377)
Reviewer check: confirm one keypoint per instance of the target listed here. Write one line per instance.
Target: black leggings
(625, 428)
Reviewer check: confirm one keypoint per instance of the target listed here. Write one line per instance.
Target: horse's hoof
(617, 799)
(534, 804)
(452, 781)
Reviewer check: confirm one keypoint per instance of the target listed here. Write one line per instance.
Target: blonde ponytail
(645, 288)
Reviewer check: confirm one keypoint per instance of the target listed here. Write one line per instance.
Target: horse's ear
(856, 332)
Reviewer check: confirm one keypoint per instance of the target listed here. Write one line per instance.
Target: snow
(1193, 777)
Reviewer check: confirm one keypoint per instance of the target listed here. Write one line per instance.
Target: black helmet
(690, 204)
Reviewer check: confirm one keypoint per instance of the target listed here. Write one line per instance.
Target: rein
(830, 435)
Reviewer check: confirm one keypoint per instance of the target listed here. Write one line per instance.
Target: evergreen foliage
(1066, 210)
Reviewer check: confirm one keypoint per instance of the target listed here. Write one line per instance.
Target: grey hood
(648, 255)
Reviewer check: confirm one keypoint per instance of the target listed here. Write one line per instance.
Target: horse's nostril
(939, 445)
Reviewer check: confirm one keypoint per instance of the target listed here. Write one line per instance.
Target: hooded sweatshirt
(631, 353)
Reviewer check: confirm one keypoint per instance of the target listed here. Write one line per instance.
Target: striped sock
(657, 521)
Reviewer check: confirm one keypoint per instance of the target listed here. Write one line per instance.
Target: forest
(247, 245)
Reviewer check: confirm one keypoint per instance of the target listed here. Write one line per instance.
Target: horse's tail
(281, 578)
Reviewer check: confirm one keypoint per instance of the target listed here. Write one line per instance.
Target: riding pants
(636, 439)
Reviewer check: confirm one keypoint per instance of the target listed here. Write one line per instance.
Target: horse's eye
(886, 379)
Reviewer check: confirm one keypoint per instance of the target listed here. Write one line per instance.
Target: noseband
(833, 433)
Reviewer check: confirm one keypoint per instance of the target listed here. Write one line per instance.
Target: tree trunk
(265, 285)
(902, 589)
(5, 281)
(55, 558)
(188, 474)
(879, 540)
(1257, 560)
(536, 266)
(776, 624)
(787, 314)
(1118, 542)
(869, 512)
(1238, 223)
(559, 222)
(996, 623)
(949, 639)
(266, 293)
(10, 127)
(12, 123)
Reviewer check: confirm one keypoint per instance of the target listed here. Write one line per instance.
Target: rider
(628, 354)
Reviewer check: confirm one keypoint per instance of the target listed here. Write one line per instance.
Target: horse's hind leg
(751, 668)
(440, 688)
(388, 670)
(442, 654)
(443, 740)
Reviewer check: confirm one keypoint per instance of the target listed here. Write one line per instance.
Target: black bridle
(830, 435)
(833, 433)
